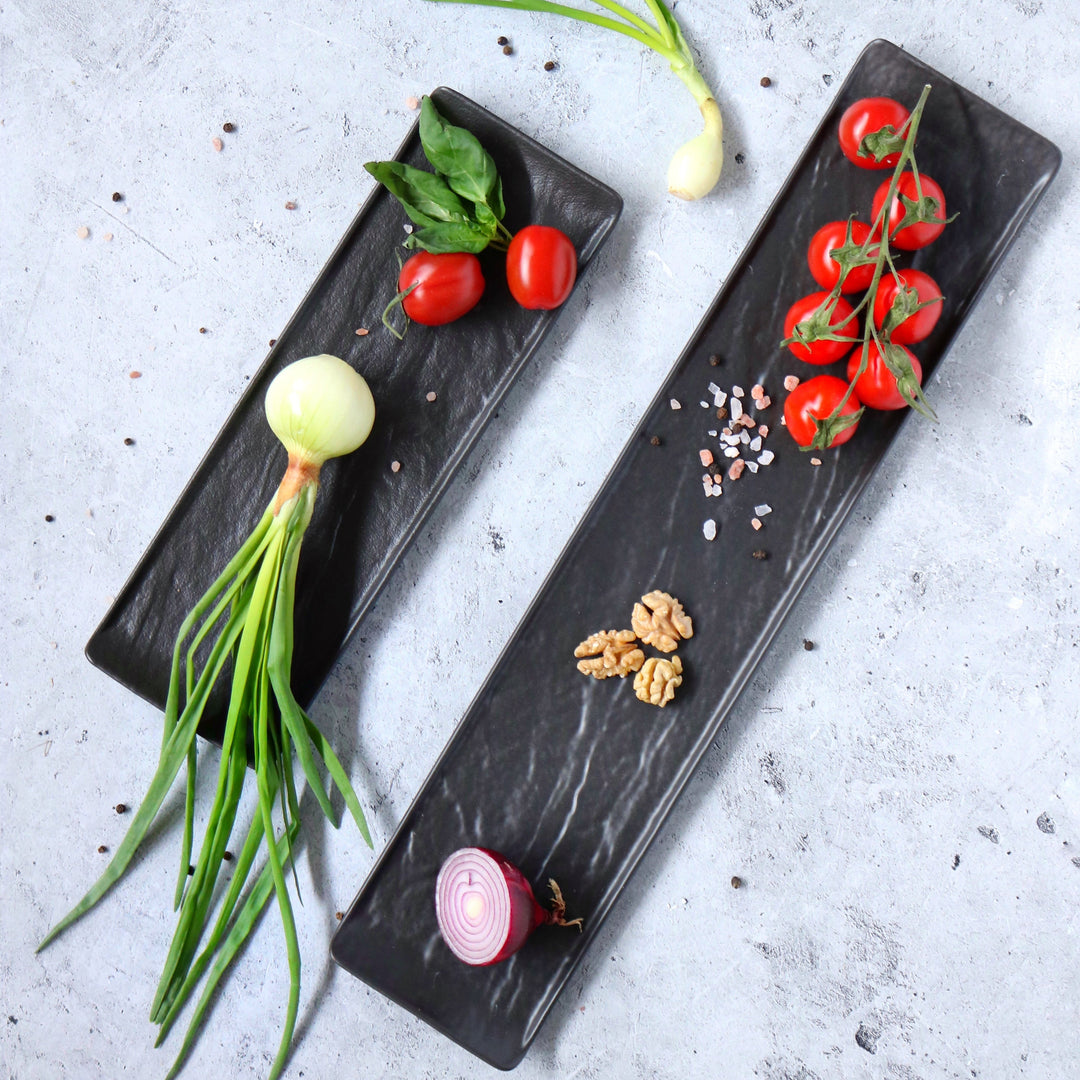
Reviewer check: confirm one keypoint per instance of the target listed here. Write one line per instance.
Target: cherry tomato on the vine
(918, 325)
(541, 267)
(876, 386)
(817, 397)
(919, 233)
(446, 286)
(824, 267)
(865, 117)
(822, 350)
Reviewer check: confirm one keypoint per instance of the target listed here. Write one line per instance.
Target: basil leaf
(457, 155)
(495, 200)
(424, 196)
(447, 236)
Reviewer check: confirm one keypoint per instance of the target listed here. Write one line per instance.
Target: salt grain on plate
(736, 469)
(711, 434)
(675, 404)
(752, 466)
(765, 402)
(744, 438)
(362, 331)
(763, 431)
(107, 236)
(395, 466)
(790, 382)
(763, 509)
(82, 232)
(706, 457)
(755, 523)
(757, 391)
(736, 408)
(755, 443)
(736, 391)
(407, 228)
(290, 205)
(815, 461)
(709, 529)
(412, 103)
(217, 144)
(431, 395)
(732, 452)
(766, 457)
(703, 404)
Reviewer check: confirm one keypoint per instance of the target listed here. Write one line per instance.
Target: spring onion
(486, 909)
(695, 167)
(319, 408)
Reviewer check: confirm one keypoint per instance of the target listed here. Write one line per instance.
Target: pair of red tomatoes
(541, 267)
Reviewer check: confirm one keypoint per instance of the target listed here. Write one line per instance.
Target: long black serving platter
(571, 777)
(366, 514)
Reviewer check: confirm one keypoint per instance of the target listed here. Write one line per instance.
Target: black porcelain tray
(366, 515)
(570, 777)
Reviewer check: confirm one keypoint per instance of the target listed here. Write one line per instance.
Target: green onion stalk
(695, 168)
(319, 408)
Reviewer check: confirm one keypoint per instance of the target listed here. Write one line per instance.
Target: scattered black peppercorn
(721, 413)
(102, 849)
(227, 856)
(129, 441)
(714, 469)
(273, 342)
(339, 915)
(656, 441)
(760, 553)
(190, 869)
(549, 65)
(714, 360)
(736, 882)
(766, 81)
(202, 329)
(116, 196)
(49, 517)
(228, 127)
(808, 645)
(121, 808)
(740, 158)
(508, 50)
(502, 40)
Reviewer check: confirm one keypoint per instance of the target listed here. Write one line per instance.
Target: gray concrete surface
(902, 802)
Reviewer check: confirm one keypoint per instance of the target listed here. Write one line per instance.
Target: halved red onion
(485, 906)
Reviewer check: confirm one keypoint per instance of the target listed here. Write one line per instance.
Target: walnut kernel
(656, 682)
(612, 652)
(659, 620)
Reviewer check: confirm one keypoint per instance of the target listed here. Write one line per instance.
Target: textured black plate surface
(570, 777)
(365, 515)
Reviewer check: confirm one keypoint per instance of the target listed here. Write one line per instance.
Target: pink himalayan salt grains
(82, 232)
(431, 395)
(217, 144)
(764, 402)
(706, 457)
(290, 205)
(755, 523)
(757, 391)
(736, 469)
(412, 103)
(362, 331)
(815, 461)
(763, 431)
(790, 382)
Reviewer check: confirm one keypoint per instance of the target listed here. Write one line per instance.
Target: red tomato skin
(447, 286)
(916, 327)
(817, 397)
(863, 117)
(876, 386)
(821, 352)
(922, 233)
(541, 267)
(825, 269)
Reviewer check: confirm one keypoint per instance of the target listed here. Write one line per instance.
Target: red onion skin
(525, 913)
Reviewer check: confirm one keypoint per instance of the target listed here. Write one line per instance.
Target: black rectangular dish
(366, 514)
(571, 777)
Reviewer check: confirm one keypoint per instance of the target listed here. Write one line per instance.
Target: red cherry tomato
(920, 233)
(915, 327)
(817, 397)
(541, 267)
(876, 386)
(821, 351)
(446, 286)
(825, 269)
(864, 118)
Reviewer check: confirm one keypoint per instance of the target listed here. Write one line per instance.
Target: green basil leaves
(460, 206)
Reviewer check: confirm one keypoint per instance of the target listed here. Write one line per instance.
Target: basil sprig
(460, 206)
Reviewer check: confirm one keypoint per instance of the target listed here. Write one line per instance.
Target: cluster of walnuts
(659, 621)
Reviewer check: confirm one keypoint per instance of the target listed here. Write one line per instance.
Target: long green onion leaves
(319, 408)
(695, 167)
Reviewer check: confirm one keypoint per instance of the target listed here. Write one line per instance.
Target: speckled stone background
(902, 801)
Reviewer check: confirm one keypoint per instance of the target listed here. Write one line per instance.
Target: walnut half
(658, 679)
(613, 652)
(659, 620)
